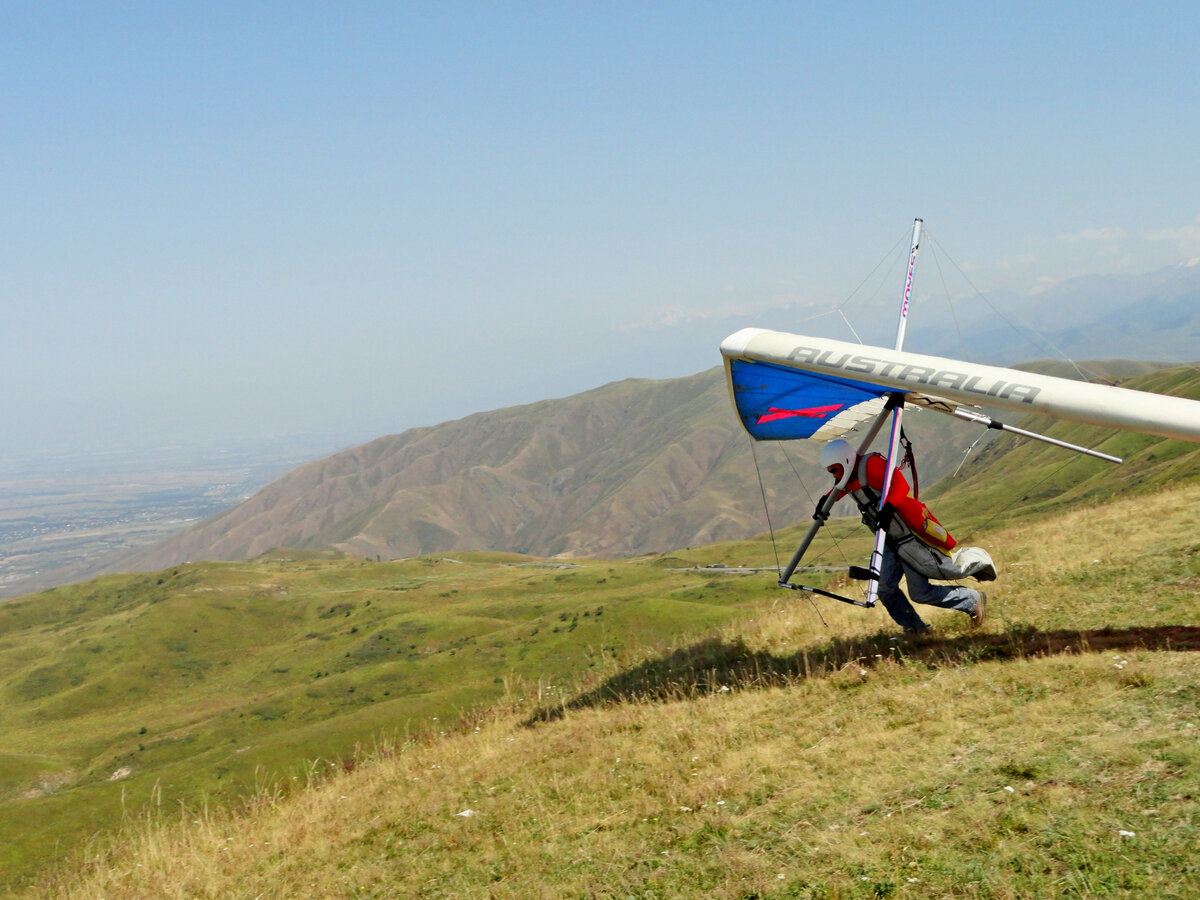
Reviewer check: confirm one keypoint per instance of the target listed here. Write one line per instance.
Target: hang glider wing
(776, 403)
(787, 386)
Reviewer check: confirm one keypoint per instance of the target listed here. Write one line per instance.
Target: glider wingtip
(735, 344)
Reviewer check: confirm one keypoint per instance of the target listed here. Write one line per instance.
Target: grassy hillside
(196, 680)
(1054, 753)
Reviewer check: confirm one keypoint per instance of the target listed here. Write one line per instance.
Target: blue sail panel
(777, 403)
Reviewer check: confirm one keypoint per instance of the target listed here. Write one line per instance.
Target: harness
(898, 531)
(866, 498)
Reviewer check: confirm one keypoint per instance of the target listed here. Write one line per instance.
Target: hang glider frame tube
(889, 474)
(896, 403)
(825, 593)
(996, 424)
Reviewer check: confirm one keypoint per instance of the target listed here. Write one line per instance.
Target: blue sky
(225, 221)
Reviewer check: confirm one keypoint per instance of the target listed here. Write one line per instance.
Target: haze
(231, 222)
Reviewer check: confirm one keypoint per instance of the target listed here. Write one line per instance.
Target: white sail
(930, 379)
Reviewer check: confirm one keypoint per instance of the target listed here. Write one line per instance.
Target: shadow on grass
(715, 665)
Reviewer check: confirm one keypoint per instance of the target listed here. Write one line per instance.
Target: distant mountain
(645, 466)
(1154, 316)
(633, 467)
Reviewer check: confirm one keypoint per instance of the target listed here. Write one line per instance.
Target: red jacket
(911, 512)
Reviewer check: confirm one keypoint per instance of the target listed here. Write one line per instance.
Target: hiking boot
(917, 629)
(979, 613)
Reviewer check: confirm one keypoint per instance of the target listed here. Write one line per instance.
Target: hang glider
(788, 386)
(792, 387)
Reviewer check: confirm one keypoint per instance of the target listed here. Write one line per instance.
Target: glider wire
(848, 325)
(771, 528)
(1155, 351)
(937, 262)
(762, 490)
(1024, 331)
(871, 274)
(835, 542)
(766, 509)
(966, 454)
(839, 309)
(1002, 510)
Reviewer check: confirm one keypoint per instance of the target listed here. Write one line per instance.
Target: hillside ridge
(633, 467)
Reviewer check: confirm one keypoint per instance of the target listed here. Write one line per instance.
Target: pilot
(916, 546)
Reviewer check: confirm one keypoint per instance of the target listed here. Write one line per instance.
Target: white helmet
(839, 452)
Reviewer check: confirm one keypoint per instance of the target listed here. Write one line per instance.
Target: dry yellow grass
(729, 793)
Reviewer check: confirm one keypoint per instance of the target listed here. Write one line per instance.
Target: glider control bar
(819, 518)
(824, 593)
(988, 421)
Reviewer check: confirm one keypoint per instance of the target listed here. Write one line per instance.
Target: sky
(227, 222)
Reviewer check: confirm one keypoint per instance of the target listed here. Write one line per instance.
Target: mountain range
(628, 468)
(642, 466)
(631, 468)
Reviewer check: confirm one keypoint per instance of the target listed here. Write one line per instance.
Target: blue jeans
(922, 591)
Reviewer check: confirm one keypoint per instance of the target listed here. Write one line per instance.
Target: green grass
(197, 680)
